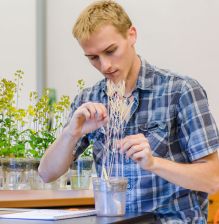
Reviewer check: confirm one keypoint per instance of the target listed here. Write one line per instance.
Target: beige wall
(18, 42)
(178, 35)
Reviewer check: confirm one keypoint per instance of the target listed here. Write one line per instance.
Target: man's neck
(133, 76)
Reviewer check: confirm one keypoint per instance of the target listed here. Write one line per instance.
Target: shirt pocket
(157, 134)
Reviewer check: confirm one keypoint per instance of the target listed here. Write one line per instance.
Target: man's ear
(132, 35)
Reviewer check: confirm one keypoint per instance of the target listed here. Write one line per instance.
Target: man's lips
(110, 73)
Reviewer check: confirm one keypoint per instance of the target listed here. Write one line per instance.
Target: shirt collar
(145, 76)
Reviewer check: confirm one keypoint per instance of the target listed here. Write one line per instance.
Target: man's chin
(115, 80)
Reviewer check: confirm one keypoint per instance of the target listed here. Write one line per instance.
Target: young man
(171, 139)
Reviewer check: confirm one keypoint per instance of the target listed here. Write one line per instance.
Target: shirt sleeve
(198, 132)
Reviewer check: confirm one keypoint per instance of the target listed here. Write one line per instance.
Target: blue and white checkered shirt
(172, 112)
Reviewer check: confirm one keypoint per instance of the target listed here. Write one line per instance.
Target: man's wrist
(153, 166)
(71, 134)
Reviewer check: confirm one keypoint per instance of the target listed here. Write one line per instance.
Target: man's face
(111, 53)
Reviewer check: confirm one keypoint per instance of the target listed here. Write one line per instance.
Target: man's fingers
(101, 111)
(93, 110)
(102, 122)
(86, 113)
(138, 156)
(130, 141)
(134, 149)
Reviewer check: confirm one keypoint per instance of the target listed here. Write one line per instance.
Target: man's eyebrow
(90, 55)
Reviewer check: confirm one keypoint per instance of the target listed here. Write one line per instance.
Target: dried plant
(118, 109)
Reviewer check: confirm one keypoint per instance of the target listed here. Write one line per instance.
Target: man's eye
(92, 58)
(111, 51)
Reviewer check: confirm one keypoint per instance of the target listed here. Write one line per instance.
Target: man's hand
(87, 118)
(138, 149)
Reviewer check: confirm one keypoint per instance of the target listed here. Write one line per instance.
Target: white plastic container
(110, 196)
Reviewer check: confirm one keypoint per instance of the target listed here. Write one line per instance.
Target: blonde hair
(99, 13)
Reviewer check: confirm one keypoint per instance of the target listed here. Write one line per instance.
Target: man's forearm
(58, 157)
(199, 176)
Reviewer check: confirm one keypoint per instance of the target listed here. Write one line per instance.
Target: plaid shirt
(172, 112)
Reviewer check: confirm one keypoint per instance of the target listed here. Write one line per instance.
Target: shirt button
(128, 186)
(188, 219)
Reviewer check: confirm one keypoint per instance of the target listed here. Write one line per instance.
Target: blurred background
(36, 36)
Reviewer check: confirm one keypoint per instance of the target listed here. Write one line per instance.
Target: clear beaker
(16, 172)
(110, 196)
(81, 170)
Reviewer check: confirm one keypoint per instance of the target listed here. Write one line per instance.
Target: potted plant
(25, 134)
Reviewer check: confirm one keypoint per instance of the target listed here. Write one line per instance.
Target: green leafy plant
(11, 118)
(28, 132)
(88, 152)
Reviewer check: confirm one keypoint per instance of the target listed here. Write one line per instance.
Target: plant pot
(37, 182)
(16, 173)
(1, 177)
(22, 174)
(81, 171)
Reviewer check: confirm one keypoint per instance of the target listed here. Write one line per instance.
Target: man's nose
(105, 65)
